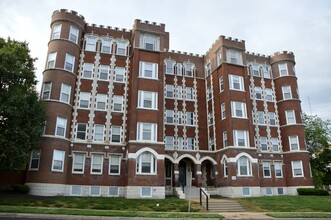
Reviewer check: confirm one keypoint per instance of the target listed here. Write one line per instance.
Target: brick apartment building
(129, 117)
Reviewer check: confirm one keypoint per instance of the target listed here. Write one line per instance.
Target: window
(179, 92)
(190, 143)
(266, 72)
(244, 166)
(147, 99)
(287, 94)
(76, 191)
(234, 56)
(240, 138)
(81, 131)
(258, 93)
(283, 69)
(290, 117)
(238, 109)
(209, 93)
(236, 82)
(56, 33)
(169, 66)
(189, 93)
(96, 164)
(106, 45)
(180, 117)
(179, 69)
(219, 57)
(269, 95)
(98, 132)
(101, 101)
(297, 170)
(190, 118)
(149, 42)
(146, 192)
(94, 190)
(47, 87)
(169, 91)
(58, 160)
(118, 103)
(84, 99)
(169, 142)
(34, 159)
(188, 69)
(268, 191)
(148, 70)
(91, 43)
(294, 143)
(51, 60)
(221, 81)
(275, 144)
(208, 69)
(223, 111)
(103, 72)
(272, 118)
(113, 191)
(263, 144)
(211, 118)
(255, 70)
(69, 62)
(225, 167)
(180, 143)
(87, 70)
(280, 191)
(266, 169)
(65, 93)
(225, 139)
(212, 144)
(146, 132)
(119, 74)
(121, 48)
(78, 162)
(169, 116)
(278, 169)
(261, 120)
(114, 164)
(146, 163)
(246, 191)
(61, 124)
(116, 134)
(73, 35)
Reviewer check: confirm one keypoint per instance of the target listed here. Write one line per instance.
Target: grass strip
(60, 211)
(300, 215)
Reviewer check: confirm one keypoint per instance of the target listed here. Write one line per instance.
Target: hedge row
(312, 191)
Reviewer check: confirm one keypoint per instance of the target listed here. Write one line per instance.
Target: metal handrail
(202, 191)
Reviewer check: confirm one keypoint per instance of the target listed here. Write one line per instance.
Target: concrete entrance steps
(224, 205)
(192, 192)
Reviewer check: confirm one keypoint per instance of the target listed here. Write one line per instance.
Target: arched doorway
(186, 172)
(207, 174)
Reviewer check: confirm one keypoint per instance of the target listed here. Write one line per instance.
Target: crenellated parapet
(64, 15)
(282, 56)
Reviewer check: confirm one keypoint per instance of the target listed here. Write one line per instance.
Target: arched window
(106, 44)
(244, 166)
(146, 163)
(225, 167)
(169, 66)
(91, 42)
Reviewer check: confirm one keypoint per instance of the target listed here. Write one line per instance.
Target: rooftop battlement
(183, 53)
(69, 12)
(108, 27)
(257, 54)
(150, 23)
(283, 52)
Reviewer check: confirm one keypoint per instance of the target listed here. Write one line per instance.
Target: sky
(300, 26)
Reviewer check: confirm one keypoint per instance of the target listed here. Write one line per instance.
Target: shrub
(20, 188)
(312, 191)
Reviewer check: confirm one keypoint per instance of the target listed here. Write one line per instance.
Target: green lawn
(288, 203)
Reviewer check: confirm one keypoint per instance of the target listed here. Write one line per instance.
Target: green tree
(317, 132)
(22, 114)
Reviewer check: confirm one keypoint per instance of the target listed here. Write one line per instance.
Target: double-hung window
(244, 166)
(65, 93)
(225, 139)
(101, 101)
(189, 118)
(263, 144)
(266, 169)
(91, 43)
(258, 93)
(114, 164)
(179, 92)
(84, 99)
(69, 62)
(283, 69)
(106, 45)
(169, 66)
(61, 125)
(260, 119)
(119, 74)
(236, 82)
(269, 95)
(121, 47)
(297, 170)
(221, 81)
(180, 143)
(190, 143)
(209, 93)
(81, 131)
(278, 169)
(180, 117)
(73, 34)
(78, 162)
(34, 159)
(47, 87)
(96, 164)
(117, 103)
(272, 118)
(150, 42)
(148, 70)
(103, 72)
(274, 144)
(179, 69)
(189, 93)
(169, 142)
(169, 116)
(58, 160)
(223, 111)
(98, 132)
(294, 142)
(188, 69)
(51, 60)
(147, 100)
(266, 72)
(169, 91)
(238, 109)
(87, 70)
(211, 118)
(240, 138)
(56, 33)
(146, 132)
(287, 94)
(255, 70)
(146, 163)
(208, 69)
(234, 56)
(116, 134)
(290, 117)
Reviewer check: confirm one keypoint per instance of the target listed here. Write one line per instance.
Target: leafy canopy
(22, 114)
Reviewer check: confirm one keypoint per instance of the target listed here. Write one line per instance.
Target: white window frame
(209, 93)
(61, 123)
(266, 72)
(112, 163)
(121, 47)
(242, 134)
(208, 69)
(189, 93)
(58, 157)
(274, 144)
(69, 63)
(169, 67)
(169, 142)
(110, 191)
(95, 191)
(34, 159)
(266, 167)
(236, 80)
(83, 98)
(93, 164)
(147, 127)
(290, 117)
(287, 93)
(101, 102)
(91, 43)
(244, 189)
(118, 103)
(221, 82)
(188, 69)
(238, 108)
(73, 34)
(98, 132)
(272, 118)
(146, 192)
(179, 69)
(255, 70)
(190, 143)
(190, 118)
(150, 68)
(225, 167)
(241, 163)
(152, 163)
(65, 93)
(81, 129)
(169, 91)
(144, 96)
(223, 111)
(47, 89)
(234, 56)
(269, 95)
(264, 144)
(51, 60)
(119, 74)
(116, 131)
(297, 165)
(258, 93)
(170, 119)
(180, 117)
(294, 141)
(225, 139)
(261, 118)
(278, 166)
(87, 70)
(150, 42)
(74, 189)
(105, 44)
(180, 143)
(283, 70)
(103, 72)
(56, 32)
(75, 169)
(210, 118)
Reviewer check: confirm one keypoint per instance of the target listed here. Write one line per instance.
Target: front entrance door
(182, 174)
